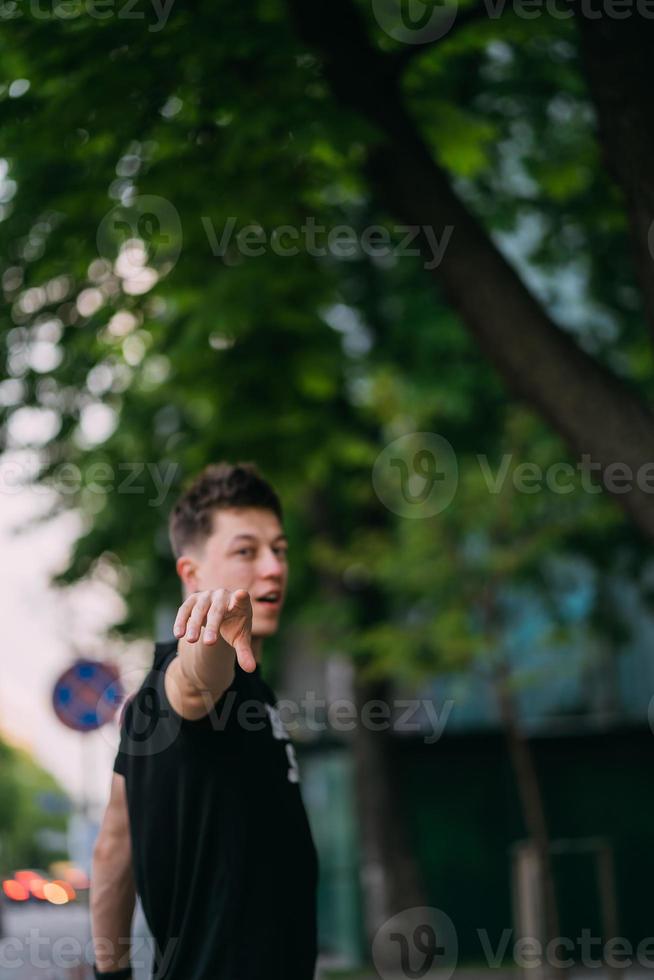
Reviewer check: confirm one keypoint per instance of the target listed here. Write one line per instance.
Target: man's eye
(245, 551)
(283, 552)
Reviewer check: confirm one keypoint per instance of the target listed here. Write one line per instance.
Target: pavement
(42, 942)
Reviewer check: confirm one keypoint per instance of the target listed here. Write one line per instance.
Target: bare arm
(214, 629)
(113, 895)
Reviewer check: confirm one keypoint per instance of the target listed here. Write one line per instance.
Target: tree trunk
(389, 873)
(617, 54)
(390, 877)
(531, 800)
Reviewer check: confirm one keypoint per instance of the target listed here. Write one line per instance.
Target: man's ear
(187, 569)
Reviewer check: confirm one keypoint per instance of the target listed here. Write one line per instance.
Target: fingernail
(209, 635)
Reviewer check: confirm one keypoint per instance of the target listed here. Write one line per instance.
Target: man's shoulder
(162, 653)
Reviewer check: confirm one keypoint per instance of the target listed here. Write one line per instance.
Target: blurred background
(400, 255)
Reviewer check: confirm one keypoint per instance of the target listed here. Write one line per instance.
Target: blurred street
(42, 942)
(39, 937)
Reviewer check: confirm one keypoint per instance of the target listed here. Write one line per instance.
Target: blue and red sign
(87, 695)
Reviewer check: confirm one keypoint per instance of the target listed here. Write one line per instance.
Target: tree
(21, 816)
(464, 571)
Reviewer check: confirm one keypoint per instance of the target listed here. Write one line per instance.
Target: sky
(45, 630)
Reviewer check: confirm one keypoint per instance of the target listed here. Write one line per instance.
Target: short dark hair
(218, 487)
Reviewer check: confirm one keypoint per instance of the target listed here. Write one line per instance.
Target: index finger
(183, 614)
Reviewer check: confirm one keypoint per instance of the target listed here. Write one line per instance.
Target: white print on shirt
(276, 721)
(293, 771)
(280, 732)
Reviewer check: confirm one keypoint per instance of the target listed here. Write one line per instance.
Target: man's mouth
(272, 598)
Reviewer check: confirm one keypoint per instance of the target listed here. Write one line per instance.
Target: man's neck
(257, 648)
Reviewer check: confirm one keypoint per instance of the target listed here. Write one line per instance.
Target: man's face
(246, 550)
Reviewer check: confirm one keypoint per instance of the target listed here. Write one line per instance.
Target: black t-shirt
(224, 860)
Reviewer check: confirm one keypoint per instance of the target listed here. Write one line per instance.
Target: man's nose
(271, 565)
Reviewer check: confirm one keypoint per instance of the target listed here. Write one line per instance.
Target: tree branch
(591, 408)
(618, 56)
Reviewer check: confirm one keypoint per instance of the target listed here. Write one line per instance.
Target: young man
(205, 820)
